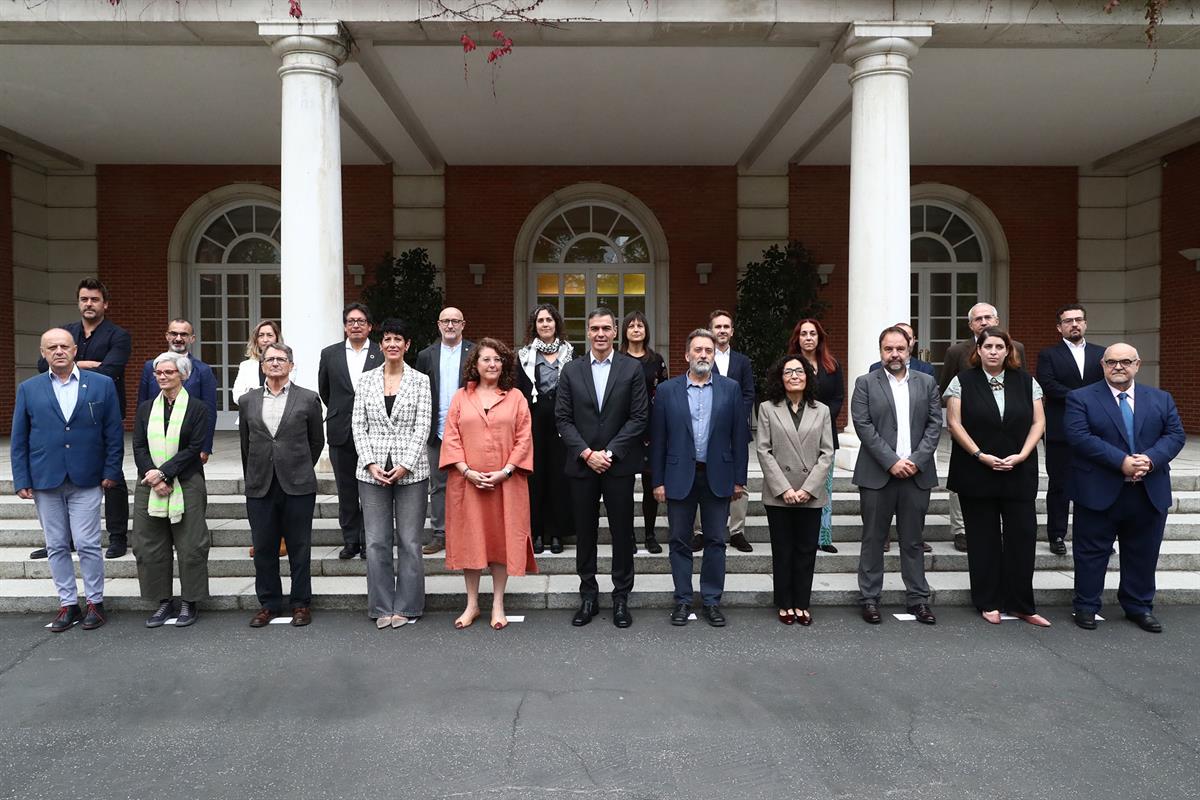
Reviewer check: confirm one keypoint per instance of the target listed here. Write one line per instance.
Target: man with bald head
(67, 445)
(443, 362)
(958, 359)
(1123, 436)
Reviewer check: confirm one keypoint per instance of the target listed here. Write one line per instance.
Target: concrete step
(233, 562)
(561, 592)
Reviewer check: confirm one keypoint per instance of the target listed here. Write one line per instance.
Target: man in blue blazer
(914, 363)
(1122, 437)
(67, 445)
(201, 384)
(734, 365)
(699, 449)
(1061, 369)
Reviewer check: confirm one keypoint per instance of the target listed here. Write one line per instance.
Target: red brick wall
(486, 207)
(140, 205)
(7, 353)
(1180, 304)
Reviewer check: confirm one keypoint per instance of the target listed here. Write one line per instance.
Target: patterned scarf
(164, 444)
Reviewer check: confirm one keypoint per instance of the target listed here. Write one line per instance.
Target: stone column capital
(872, 48)
(311, 47)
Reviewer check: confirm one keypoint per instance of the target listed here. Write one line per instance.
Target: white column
(310, 187)
(878, 272)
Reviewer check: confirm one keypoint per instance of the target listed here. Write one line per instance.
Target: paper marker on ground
(1008, 618)
(516, 618)
(171, 621)
(692, 615)
(281, 621)
(905, 617)
(73, 624)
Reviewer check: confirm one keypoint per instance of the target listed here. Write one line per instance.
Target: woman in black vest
(996, 419)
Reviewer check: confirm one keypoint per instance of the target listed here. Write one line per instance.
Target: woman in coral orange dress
(487, 448)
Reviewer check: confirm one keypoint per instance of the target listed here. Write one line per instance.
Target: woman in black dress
(809, 340)
(635, 342)
(540, 363)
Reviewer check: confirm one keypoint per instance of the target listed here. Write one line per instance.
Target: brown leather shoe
(870, 614)
(263, 618)
(926, 547)
(282, 548)
(252, 551)
(301, 616)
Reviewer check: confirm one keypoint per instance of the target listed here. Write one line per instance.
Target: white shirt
(356, 360)
(722, 360)
(66, 392)
(449, 365)
(1128, 396)
(899, 387)
(1077, 352)
(600, 371)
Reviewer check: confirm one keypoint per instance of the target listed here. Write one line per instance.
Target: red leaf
(468, 44)
(294, 9)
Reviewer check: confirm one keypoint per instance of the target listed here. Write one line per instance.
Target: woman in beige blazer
(795, 452)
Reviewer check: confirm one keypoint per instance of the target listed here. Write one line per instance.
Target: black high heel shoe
(827, 548)
(556, 544)
(538, 548)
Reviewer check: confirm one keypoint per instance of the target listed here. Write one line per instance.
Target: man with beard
(897, 415)
(1071, 364)
(699, 444)
(201, 384)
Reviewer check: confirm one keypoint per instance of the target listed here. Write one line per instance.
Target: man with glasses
(1122, 437)
(443, 362)
(1071, 364)
(201, 384)
(342, 365)
(958, 359)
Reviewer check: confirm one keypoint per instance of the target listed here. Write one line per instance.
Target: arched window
(587, 254)
(234, 279)
(949, 272)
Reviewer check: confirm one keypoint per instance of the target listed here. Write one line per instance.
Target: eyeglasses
(1122, 362)
(450, 322)
(162, 373)
(177, 335)
(356, 323)
(1071, 320)
(793, 372)
(275, 360)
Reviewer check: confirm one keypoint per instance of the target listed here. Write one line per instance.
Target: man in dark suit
(601, 413)
(1071, 364)
(957, 359)
(699, 449)
(914, 363)
(341, 365)
(736, 366)
(200, 384)
(102, 346)
(66, 449)
(897, 415)
(1122, 438)
(443, 363)
(282, 439)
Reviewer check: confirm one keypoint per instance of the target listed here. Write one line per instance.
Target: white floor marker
(905, 617)
(281, 621)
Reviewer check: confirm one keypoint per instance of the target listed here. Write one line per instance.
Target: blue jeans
(68, 513)
(714, 516)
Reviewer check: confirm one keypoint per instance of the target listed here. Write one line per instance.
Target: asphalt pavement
(961, 710)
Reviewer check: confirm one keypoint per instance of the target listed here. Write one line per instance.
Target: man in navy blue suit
(67, 445)
(1122, 437)
(734, 365)
(914, 363)
(201, 384)
(1062, 368)
(699, 448)
(102, 346)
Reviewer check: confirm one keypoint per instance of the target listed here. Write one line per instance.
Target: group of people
(509, 453)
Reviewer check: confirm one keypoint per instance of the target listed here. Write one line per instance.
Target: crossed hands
(386, 476)
(1001, 464)
(1136, 466)
(485, 480)
(599, 462)
(156, 480)
(903, 468)
(795, 497)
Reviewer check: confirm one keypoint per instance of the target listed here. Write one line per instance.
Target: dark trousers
(549, 495)
(649, 504)
(1138, 525)
(617, 491)
(1002, 533)
(1058, 462)
(116, 509)
(907, 503)
(794, 535)
(275, 516)
(714, 517)
(344, 460)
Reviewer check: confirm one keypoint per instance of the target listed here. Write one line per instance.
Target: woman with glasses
(488, 452)
(171, 499)
(996, 418)
(635, 342)
(541, 362)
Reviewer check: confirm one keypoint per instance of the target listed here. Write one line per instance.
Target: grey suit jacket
(873, 411)
(291, 453)
(791, 457)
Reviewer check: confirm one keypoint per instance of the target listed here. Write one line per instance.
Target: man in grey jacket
(282, 438)
(897, 415)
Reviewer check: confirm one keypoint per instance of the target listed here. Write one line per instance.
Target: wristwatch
(977, 454)
(609, 454)
(508, 471)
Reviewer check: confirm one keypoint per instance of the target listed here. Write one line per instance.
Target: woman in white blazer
(795, 451)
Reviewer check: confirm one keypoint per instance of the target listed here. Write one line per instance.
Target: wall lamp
(1192, 254)
(823, 272)
(357, 272)
(478, 270)
(704, 270)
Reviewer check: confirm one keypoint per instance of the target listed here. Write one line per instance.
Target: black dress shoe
(1085, 620)
(362, 552)
(621, 616)
(39, 553)
(556, 545)
(923, 614)
(870, 613)
(348, 551)
(827, 548)
(714, 616)
(1058, 547)
(188, 612)
(679, 617)
(738, 540)
(94, 617)
(1146, 622)
(538, 547)
(697, 542)
(117, 546)
(652, 544)
(960, 542)
(587, 610)
(66, 619)
(165, 609)
(926, 547)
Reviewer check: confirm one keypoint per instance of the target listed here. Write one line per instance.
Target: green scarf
(163, 447)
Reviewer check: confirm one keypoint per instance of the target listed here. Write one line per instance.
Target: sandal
(465, 620)
(499, 624)
(787, 617)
